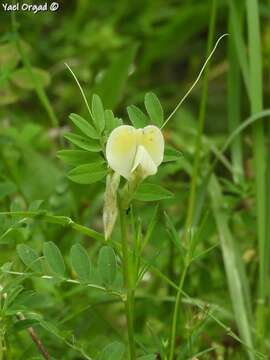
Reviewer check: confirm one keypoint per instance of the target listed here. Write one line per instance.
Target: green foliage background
(121, 50)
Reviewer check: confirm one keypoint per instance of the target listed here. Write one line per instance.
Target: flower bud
(110, 210)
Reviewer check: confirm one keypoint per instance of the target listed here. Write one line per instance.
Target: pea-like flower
(129, 149)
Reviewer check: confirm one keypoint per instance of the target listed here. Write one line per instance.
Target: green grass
(234, 103)
(192, 197)
(185, 272)
(256, 105)
(237, 281)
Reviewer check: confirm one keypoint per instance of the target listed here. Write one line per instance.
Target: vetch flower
(129, 150)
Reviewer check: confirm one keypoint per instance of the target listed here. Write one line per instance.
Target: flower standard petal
(121, 149)
(153, 141)
(144, 163)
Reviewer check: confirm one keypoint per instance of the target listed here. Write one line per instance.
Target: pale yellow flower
(129, 149)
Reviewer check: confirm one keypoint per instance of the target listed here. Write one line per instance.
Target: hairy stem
(129, 301)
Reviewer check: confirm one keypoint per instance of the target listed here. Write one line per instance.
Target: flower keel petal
(144, 163)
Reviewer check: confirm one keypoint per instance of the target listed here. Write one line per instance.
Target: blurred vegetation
(121, 50)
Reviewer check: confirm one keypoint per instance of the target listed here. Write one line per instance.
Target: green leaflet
(78, 157)
(83, 142)
(111, 121)
(137, 117)
(80, 262)
(98, 113)
(29, 257)
(152, 192)
(54, 258)
(88, 173)
(107, 265)
(154, 109)
(85, 127)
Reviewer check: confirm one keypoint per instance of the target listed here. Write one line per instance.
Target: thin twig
(36, 339)
(72, 281)
(196, 80)
(81, 90)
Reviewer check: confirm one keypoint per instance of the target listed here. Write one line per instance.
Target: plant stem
(32, 333)
(56, 219)
(234, 104)
(71, 281)
(256, 103)
(192, 197)
(129, 302)
(176, 311)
